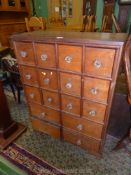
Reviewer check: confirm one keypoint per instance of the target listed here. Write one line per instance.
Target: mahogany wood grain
(51, 99)
(71, 104)
(29, 75)
(46, 128)
(45, 54)
(103, 58)
(73, 80)
(94, 111)
(82, 125)
(48, 79)
(96, 89)
(81, 140)
(45, 113)
(69, 59)
(33, 94)
(25, 53)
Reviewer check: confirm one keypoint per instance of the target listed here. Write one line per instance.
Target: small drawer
(70, 84)
(96, 89)
(29, 75)
(45, 55)
(25, 53)
(99, 62)
(33, 94)
(71, 104)
(78, 139)
(48, 79)
(94, 111)
(82, 125)
(51, 99)
(70, 57)
(46, 128)
(45, 113)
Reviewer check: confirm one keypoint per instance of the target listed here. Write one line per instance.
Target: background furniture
(35, 23)
(12, 18)
(9, 129)
(68, 90)
(125, 142)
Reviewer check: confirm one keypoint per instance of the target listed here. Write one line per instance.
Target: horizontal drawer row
(97, 61)
(93, 88)
(72, 122)
(73, 137)
(92, 110)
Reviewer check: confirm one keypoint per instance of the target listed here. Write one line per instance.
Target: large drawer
(96, 89)
(45, 55)
(70, 84)
(82, 125)
(25, 53)
(33, 94)
(78, 139)
(46, 128)
(44, 113)
(94, 111)
(99, 61)
(29, 75)
(70, 57)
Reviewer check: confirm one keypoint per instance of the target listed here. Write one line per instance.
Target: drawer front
(45, 113)
(71, 104)
(29, 75)
(96, 89)
(25, 53)
(99, 61)
(45, 55)
(51, 99)
(70, 84)
(48, 79)
(82, 125)
(46, 128)
(78, 139)
(70, 57)
(33, 94)
(94, 111)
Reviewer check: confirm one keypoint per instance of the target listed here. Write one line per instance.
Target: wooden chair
(125, 142)
(91, 24)
(104, 23)
(116, 24)
(11, 67)
(35, 23)
(85, 21)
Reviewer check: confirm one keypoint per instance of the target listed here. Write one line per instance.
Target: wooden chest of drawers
(69, 81)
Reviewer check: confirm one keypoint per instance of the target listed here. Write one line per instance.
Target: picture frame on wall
(126, 2)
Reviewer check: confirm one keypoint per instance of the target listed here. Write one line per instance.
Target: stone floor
(63, 155)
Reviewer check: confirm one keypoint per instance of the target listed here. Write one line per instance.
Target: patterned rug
(28, 162)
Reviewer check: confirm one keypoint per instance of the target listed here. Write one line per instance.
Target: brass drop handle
(80, 127)
(68, 59)
(32, 95)
(97, 63)
(28, 76)
(23, 54)
(78, 142)
(92, 113)
(94, 91)
(46, 81)
(49, 99)
(44, 57)
(69, 106)
(68, 85)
